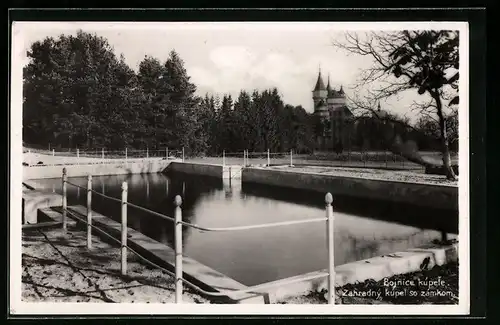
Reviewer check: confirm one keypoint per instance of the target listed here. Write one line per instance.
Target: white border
(17, 307)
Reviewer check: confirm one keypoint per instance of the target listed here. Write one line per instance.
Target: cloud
(232, 57)
(233, 68)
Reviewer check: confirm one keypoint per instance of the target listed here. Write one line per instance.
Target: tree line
(78, 93)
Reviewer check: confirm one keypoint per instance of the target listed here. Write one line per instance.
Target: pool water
(363, 229)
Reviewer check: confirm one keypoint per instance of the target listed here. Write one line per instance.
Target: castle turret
(320, 94)
(336, 99)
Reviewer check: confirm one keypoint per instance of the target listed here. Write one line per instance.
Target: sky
(224, 58)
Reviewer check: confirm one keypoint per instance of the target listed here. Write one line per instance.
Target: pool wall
(146, 166)
(212, 170)
(426, 195)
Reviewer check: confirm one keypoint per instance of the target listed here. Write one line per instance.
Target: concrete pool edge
(145, 166)
(205, 169)
(376, 268)
(200, 274)
(421, 194)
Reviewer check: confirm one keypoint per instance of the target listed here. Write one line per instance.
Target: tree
(70, 91)
(182, 109)
(422, 61)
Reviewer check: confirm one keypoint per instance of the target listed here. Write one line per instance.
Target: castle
(334, 116)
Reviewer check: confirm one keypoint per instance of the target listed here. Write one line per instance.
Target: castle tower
(320, 94)
(331, 93)
(336, 99)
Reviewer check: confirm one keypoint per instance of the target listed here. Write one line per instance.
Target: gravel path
(392, 175)
(63, 270)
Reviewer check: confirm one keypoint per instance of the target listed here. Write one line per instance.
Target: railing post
(89, 211)
(223, 158)
(268, 158)
(124, 227)
(64, 198)
(244, 158)
(178, 250)
(126, 154)
(102, 154)
(166, 152)
(330, 246)
(53, 153)
(182, 154)
(291, 158)
(77, 153)
(147, 152)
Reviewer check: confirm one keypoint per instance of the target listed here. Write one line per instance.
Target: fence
(372, 159)
(362, 159)
(102, 156)
(177, 220)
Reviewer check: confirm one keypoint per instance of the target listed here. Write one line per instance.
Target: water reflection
(362, 228)
(406, 214)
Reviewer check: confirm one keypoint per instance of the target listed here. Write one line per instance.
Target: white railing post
(244, 158)
(89, 211)
(166, 153)
(64, 198)
(124, 227)
(147, 152)
(182, 154)
(102, 155)
(53, 153)
(330, 246)
(291, 157)
(223, 158)
(268, 158)
(178, 250)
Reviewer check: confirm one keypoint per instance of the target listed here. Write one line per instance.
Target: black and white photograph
(239, 167)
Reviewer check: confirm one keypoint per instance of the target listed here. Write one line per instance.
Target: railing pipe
(64, 198)
(89, 211)
(223, 158)
(182, 154)
(291, 157)
(178, 250)
(166, 152)
(124, 228)
(178, 239)
(258, 226)
(147, 152)
(268, 158)
(330, 240)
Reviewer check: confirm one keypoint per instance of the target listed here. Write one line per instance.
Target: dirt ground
(63, 270)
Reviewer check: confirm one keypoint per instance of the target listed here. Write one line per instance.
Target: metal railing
(178, 222)
(360, 159)
(91, 157)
